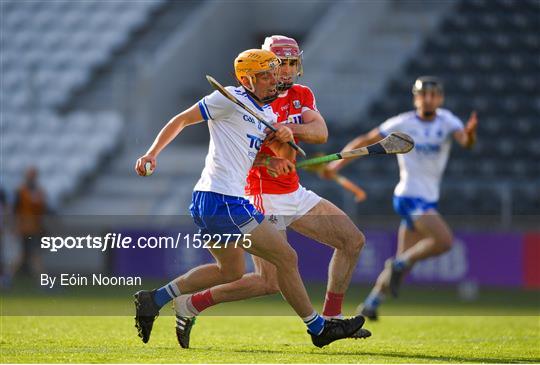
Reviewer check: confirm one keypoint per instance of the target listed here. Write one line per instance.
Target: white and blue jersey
(421, 169)
(235, 138)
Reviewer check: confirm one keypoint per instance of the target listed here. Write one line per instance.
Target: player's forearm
(264, 160)
(261, 159)
(166, 135)
(470, 140)
(283, 150)
(315, 132)
(174, 127)
(466, 139)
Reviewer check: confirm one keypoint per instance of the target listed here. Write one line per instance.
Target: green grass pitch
(445, 335)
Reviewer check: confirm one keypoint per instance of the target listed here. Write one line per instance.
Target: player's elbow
(323, 134)
(318, 137)
(323, 137)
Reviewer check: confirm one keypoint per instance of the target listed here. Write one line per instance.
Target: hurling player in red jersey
(286, 203)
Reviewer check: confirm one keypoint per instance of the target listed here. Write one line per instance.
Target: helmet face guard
(290, 54)
(427, 83)
(255, 62)
(422, 86)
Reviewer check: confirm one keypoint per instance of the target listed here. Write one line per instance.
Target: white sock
(183, 306)
(339, 316)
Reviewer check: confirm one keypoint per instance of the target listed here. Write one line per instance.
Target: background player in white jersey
(423, 232)
(287, 203)
(218, 206)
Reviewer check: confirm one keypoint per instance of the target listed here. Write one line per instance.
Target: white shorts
(283, 209)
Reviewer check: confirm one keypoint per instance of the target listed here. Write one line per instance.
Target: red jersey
(288, 107)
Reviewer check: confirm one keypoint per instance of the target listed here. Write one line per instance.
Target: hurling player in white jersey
(218, 206)
(423, 232)
(287, 203)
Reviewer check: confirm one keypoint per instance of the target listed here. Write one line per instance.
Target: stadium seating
(62, 45)
(50, 50)
(64, 149)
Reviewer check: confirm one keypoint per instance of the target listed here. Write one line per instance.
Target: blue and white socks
(314, 323)
(400, 264)
(166, 293)
(373, 301)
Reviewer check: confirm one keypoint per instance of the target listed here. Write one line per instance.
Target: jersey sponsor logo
(427, 148)
(295, 118)
(254, 142)
(249, 118)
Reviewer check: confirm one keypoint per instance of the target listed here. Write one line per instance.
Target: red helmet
(286, 49)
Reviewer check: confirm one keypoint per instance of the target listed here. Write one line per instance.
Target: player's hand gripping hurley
(216, 85)
(396, 142)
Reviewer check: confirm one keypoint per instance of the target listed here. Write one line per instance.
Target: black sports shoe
(146, 311)
(335, 329)
(369, 313)
(183, 330)
(361, 333)
(396, 276)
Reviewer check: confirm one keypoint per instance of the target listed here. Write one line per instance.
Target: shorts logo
(273, 219)
(297, 104)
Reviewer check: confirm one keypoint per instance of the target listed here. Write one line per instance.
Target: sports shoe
(183, 330)
(146, 311)
(396, 276)
(336, 329)
(369, 313)
(361, 333)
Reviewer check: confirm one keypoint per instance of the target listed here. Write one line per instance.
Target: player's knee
(287, 259)
(354, 243)
(445, 242)
(359, 242)
(271, 287)
(232, 274)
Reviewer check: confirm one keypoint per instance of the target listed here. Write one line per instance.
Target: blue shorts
(410, 208)
(216, 213)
